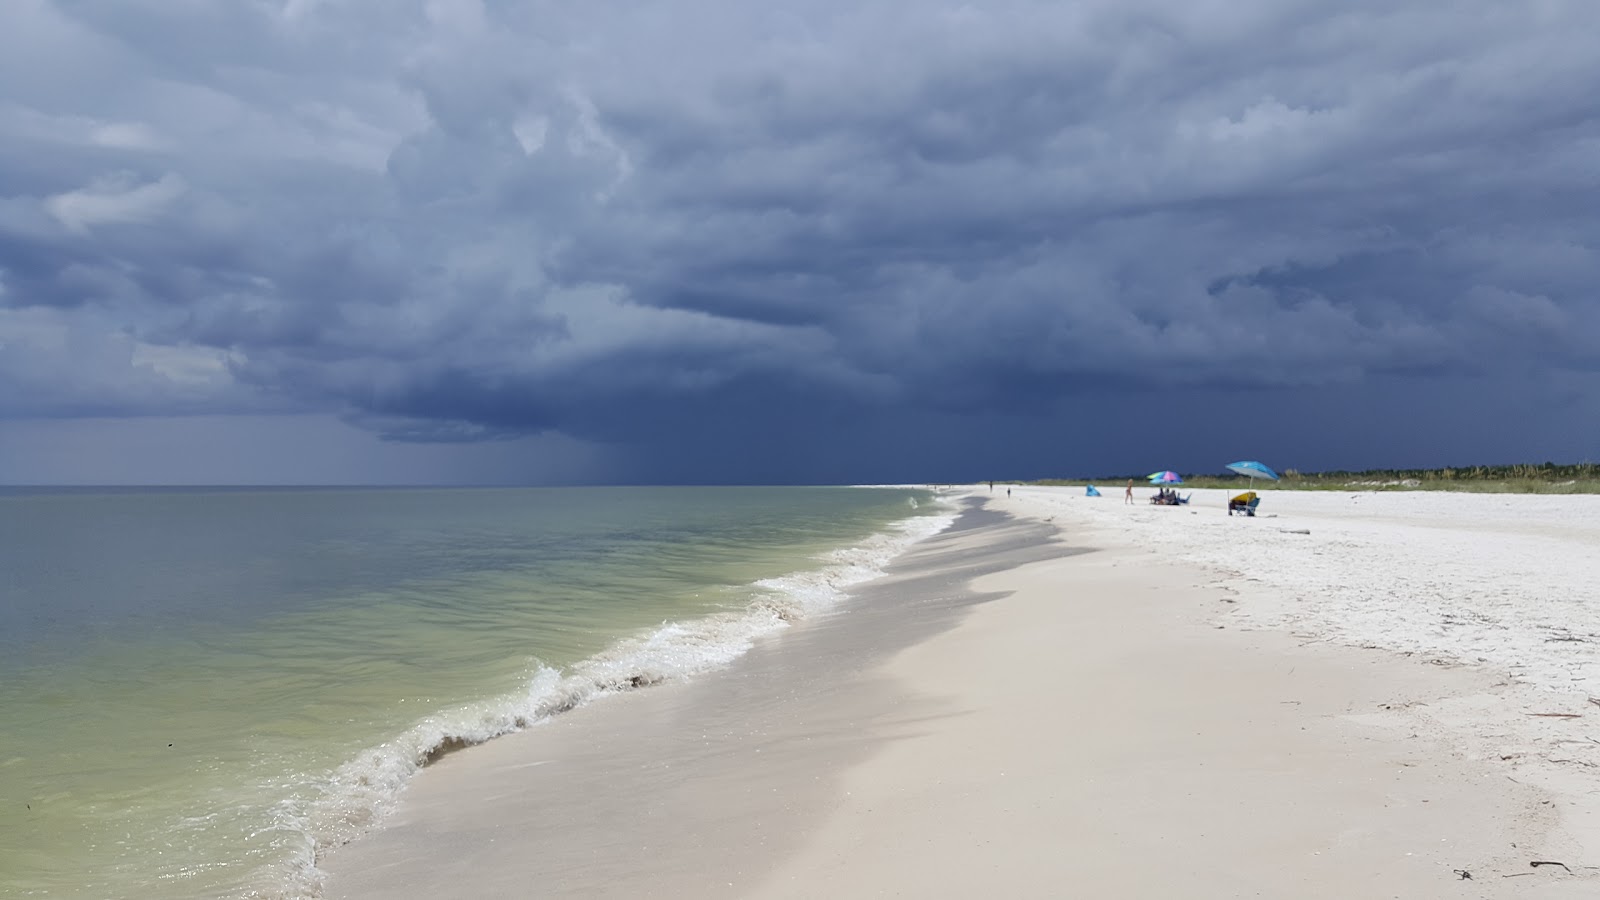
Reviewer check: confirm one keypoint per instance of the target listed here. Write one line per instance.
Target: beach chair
(1184, 500)
(1244, 503)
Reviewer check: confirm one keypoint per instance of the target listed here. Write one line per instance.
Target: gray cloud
(679, 231)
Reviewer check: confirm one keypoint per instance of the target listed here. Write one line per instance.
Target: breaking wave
(331, 809)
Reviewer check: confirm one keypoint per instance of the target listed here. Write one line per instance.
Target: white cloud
(186, 364)
(531, 132)
(20, 121)
(298, 9)
(126, 136)
(461, 16)
(53, 359)
(118, 199)
(589, 137)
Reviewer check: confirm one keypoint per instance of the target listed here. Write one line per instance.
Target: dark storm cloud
(632, 222)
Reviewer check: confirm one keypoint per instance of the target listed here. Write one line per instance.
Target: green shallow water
(199, 689)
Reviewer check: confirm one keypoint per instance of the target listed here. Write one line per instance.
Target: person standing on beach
(1127, 496)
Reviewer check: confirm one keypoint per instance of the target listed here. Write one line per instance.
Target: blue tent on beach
(1091, 492)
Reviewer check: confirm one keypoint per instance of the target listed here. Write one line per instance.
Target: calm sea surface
(201, 689)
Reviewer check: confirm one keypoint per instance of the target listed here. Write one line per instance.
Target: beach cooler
(1244, 503)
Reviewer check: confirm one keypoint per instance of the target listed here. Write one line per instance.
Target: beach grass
(1536, 478)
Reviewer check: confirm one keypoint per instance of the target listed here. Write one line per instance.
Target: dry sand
(1003, 716)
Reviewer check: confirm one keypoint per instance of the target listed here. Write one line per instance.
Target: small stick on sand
(1544, 862)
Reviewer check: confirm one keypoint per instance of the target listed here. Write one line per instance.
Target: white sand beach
(1350, 695)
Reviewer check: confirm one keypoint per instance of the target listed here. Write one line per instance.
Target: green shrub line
(1522, 478)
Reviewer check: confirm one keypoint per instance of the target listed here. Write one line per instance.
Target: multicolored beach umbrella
(1167, 477)
(1252, 470)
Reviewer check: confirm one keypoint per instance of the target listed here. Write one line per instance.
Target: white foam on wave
(357, 794)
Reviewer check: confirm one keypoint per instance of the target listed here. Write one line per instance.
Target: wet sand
(1009, 712)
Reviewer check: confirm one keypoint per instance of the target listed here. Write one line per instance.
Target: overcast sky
(786, 241)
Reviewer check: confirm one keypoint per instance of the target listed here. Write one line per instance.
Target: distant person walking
(1127, 496)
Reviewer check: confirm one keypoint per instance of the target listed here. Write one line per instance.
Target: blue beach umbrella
(1167, 477)
(1252, 470)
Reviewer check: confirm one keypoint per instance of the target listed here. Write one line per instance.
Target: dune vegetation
(1522, 478)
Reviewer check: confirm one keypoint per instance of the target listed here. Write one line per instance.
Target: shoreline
(675, 650)
(862, 753)
(652, 788)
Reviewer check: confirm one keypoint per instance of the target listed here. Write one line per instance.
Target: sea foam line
(355, 796)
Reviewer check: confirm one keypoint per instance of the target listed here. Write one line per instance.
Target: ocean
(203, 689)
